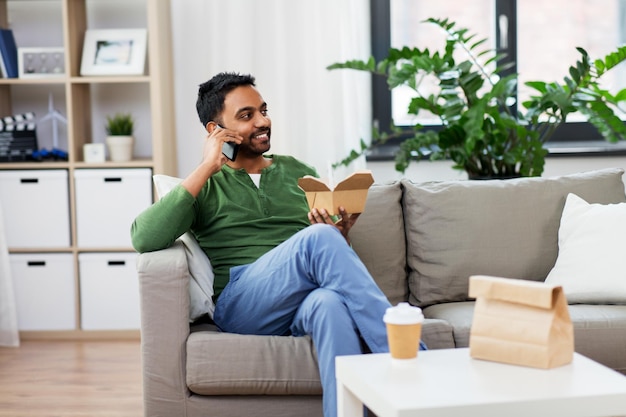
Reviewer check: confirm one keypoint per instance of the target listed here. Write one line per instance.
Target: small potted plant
(480, 132)
(120, 140)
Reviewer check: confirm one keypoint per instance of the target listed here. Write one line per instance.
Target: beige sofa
(421, 242)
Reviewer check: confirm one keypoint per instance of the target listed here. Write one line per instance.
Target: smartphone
(229, 149)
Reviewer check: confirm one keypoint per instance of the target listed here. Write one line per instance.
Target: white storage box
(44, 290)
(109, 291)
(36, 208)
(107, 202)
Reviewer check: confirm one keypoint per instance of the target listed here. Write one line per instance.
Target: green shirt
(234, 221)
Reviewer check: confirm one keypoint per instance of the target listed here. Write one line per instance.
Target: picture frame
(114, 52)
(40, 62)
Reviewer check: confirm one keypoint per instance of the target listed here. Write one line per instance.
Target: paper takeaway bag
(520, 322)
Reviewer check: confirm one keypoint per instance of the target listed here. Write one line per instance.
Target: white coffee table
(448, 382)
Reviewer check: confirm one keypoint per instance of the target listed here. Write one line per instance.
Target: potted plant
(481, 133)
(120, 140)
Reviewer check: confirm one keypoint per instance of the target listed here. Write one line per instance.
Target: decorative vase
(120, 148)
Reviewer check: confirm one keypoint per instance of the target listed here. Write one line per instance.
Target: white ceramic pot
(120, 148)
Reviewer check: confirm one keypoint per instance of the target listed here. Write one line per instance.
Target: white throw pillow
(591, 264)
(200, 269)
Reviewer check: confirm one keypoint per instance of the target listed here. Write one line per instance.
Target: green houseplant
(120, 124)
(120, 140)
(480, 132)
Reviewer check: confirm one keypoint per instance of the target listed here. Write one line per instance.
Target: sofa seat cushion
(600, 333)
(599, 330)
(437, 334)
(232, 364)
(378, 238)
(458, 315)
(505, 228)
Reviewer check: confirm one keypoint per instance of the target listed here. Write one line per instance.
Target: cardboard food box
(350, 193)
(520, 322)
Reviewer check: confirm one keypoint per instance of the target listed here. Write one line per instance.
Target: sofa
(421, 242)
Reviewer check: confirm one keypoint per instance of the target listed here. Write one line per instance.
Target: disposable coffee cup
(404, 330)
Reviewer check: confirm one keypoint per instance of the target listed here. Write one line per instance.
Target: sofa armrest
(164, 299)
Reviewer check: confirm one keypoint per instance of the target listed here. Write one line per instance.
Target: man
(279, 268)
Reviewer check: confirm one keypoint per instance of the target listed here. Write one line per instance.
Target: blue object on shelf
(8, 52)
(53, 154)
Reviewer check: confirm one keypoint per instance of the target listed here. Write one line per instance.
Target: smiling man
(280, 269)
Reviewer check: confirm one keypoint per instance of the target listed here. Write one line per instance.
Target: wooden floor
(71, 379)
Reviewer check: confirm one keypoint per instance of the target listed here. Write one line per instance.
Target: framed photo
(114, 52)
(40, 62)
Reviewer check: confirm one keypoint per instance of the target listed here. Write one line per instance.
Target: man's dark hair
(212, 93)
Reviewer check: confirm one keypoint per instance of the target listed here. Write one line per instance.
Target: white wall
(270, 40)
(317, 115)
(259, 37)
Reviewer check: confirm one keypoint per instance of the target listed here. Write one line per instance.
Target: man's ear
(210, 126)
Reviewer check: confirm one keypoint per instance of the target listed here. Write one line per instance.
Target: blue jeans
(314, 284)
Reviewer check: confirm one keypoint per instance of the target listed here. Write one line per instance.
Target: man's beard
(256, 146)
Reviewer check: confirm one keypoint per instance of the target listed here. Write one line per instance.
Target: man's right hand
(212, 157)
(214, 142)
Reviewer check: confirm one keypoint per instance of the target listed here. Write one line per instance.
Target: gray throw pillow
(506, 228)
(378, 239)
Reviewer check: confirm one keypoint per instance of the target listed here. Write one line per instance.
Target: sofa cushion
(591, 266)
(227, 364)
(599, 330)
(378, 238)
(600, 333)
(438, 334)
(458, 315)
(505, 228)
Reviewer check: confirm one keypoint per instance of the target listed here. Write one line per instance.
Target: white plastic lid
(403, 313)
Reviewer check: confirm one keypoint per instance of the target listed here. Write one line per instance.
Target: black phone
(229, 149)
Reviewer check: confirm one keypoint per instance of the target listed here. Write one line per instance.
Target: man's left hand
(344, 223)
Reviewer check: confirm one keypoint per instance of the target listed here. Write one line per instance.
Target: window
(539, 37)
(545, 46)
(407, 28)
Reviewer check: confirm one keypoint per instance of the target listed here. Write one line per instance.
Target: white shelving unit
(85, 102)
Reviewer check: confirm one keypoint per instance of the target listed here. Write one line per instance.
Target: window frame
(571, 138)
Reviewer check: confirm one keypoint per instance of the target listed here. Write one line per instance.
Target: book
(3, 68)
(8, 50)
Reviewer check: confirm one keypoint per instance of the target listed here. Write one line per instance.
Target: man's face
(245, 112)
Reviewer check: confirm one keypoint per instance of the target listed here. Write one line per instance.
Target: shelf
(34, 165)
(105, 249)
(111, 79)
(40, 250)
(33, 81)
(81, 335)
(85, 101)
(136, 163)
(72, 249)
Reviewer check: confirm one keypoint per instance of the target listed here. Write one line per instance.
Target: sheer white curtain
(8, 311)
(317, 115)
